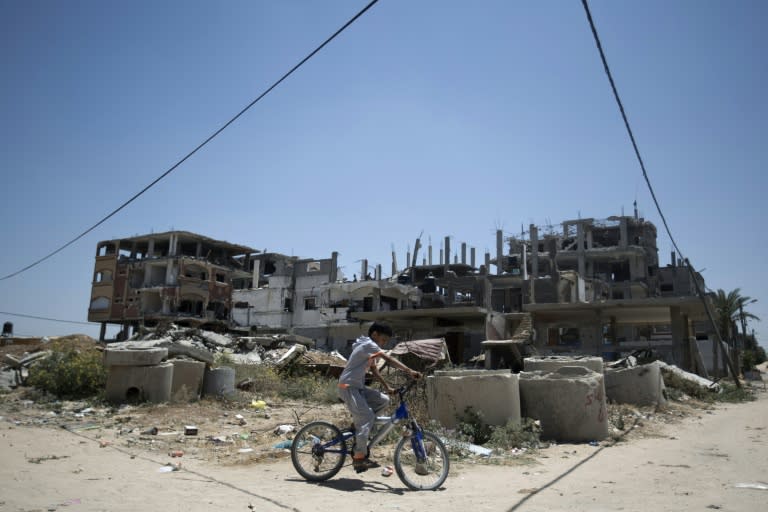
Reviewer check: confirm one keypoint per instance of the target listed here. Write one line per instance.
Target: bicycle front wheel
(318, 451)
(422, 466)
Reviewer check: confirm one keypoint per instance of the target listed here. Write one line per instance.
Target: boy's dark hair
(380, 328)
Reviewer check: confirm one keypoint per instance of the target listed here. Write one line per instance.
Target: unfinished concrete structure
(309, 297)
(590, 287)
(178, 276)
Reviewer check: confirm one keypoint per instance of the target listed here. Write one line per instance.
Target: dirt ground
(82, 456)
(70, 456)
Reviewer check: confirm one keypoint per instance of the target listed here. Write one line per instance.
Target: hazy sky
(451, 118)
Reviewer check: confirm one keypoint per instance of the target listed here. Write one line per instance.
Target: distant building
(586, 286)
(177, 276)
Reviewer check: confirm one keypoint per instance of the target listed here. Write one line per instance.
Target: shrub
(472, 425)
(69, 373)
(525, 434)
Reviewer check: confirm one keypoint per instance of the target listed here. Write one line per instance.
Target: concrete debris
(701, 382)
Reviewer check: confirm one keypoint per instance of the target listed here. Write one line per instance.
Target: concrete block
(493, 393)
(187, 383)
(134, 357)
(639, 385)
(133, 384)
(219, 381)
(552, 363)
(570, 403)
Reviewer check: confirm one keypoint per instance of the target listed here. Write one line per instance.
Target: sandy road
(697, 464)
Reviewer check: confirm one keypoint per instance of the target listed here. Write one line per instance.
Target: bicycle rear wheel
(318, 451)
(422, 473)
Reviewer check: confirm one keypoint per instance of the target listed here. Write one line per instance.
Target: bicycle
(319, 449)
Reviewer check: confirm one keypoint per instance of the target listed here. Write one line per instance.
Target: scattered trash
(170, 467)
(387, 471)
(245, 450)
(283, 445)
(103, 444)
(176, 453)
(473, 448)
(761, 486)
(150, 432)
(219, 439)
(594, 443)
(259, 405)
(284, 429)
(240, 419)
(190, 430)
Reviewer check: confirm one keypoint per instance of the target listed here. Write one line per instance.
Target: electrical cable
(47, 319)
(206, 141)
(695, 281)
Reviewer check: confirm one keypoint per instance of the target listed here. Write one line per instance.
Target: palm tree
(729, 309)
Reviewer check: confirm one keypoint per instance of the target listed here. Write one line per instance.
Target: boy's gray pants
(364, 404)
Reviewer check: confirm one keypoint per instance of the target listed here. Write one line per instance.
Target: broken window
(288, 305)
(241, 305)
(195, 272)
(105, 250)
(105, 276)
(313, 266)
(221, 278)
(192, 307)
(310, 303)
(124, 254)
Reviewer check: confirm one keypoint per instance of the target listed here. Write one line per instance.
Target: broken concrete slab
(553, 363)
(692, 378)
(134, 357)
(637, 385)
(570, 403)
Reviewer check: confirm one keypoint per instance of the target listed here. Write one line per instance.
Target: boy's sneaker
(361, 465)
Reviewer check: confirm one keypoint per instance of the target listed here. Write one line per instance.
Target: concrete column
(447, 253)
(499, 252)
(430, 254)
(151, 248)
(334, 267)
(199, 249)
(172, 245)
(623, 242)
(680, 335)
(534, 251)
(364, 270)
(580, 249)
(378, 272)
(256, 272)
(487, 263)
(103, 331)
(169, 273)
(441, 257)
(472, 257)
(463, 253)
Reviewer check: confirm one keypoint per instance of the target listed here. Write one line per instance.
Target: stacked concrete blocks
(570, 403)
(494, 394)
(138, 375)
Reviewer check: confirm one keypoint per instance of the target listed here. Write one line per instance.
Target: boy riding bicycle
(364, 403)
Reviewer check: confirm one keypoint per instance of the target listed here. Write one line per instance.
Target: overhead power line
(691, 272)
(47, 319)
(200, 146)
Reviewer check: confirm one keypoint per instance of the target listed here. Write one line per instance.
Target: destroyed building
(587, 286)
(176, 276)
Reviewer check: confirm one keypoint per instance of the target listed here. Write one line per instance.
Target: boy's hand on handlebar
(414, 375)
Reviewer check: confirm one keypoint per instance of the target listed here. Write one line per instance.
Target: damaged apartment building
(175, 276)
(588, 286)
